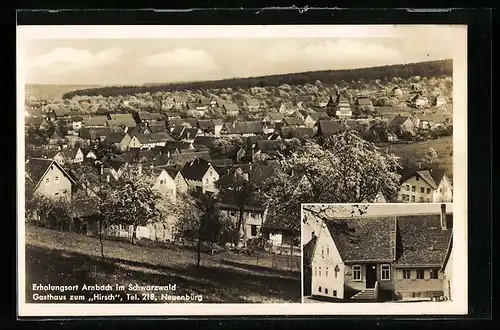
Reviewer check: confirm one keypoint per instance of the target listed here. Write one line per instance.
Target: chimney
(444, 224)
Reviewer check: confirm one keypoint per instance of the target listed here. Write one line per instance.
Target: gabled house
(118, 138)
(231, 109)
(402, 124)
(90, 134)
(48, 178)
(293, 122)
(200, 174)
(327, 128)
(313, 117)
(252, 104)
(34, 121)
(217, 126)
(196, 109)
(183, 158)
(172, 116)
(269, 147)
(206, 126)
(123, 120)
(439, 101)
(380, 258)
(148, 141)
(287, 108)
(420, 185)
(167, 103)
(147, 117)
(418, 101)
(339, 107)
(74, 155)
(158, 127)
(430, 121)
(254, 217)
(322, 101)
(180, 183)
(162, 182)
(59, 113)
(180, 102)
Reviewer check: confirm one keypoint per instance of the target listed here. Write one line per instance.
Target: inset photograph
(377, 252)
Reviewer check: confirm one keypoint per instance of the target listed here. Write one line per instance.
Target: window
(319, 271)
(413, 188)
(412, 198)
(356, 273)
(406, 274)
(428, 190)
(327, 251)
(385, 271)
(334, 293)
(408, 187)
(326, 271)
(326, 291)
(57, 194)
(206, 180)
(319, 289)
(322, 252)
(417, 178)
(421, 199)
(253, 229)
(420, 274)
(422, 190)
(315, 271)
(434, 274)
(47, 180)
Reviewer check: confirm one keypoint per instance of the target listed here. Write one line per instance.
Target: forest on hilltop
(404, 71)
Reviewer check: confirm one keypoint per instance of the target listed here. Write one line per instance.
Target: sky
(138, 60)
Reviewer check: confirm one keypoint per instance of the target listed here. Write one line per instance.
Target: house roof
(204, 101)
(432, 176)
(88, 133)
(204, 140)
(259, 174)
(315, 115)
(189, 133)
(276, 116)
(398, 120)
(180, 99)
(330, 127)
(230, 106)
(217, 122)
(181, 159)
(252, 102)
(37, 167)
(71, 152)
(124, 119)
(422, 240)
(436, 118)
(154, 137)
(266, 146)
(34, 111)
(248, 127)
(115, 136)
(95, 121)
(246, 207)
(292, 121)
(61, 112)
(172, 115)
(157, 127)
(195, 169)
(169, 145)
(205, 124)
(364, 238)
(193, 105)
(144, 115)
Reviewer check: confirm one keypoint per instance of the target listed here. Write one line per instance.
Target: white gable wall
(326, 257)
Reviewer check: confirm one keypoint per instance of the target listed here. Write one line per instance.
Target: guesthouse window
(412, 198)
(428, 190)
(57, 179)
(315, 271)
(417, 178)
(322, 252)
(334, 293)
(434, 274)
(319, 289)
(47, 180)
(326, 290)
(408, 187)
(413, 188)
(421, 199)
(319, 271)
(422, 190)
(356, 272)
(326, 271)
(406, 274)
(327, 251)
(420, 274)
(385, 272)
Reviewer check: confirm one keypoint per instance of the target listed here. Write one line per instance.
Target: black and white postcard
(164, 169)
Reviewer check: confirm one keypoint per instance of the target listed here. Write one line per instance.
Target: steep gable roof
(196, 169)
(364, 238)
(37, 167)
(422, 240)
(205, 124)
(230, 106)
(292, 121)
(95, 121)
(398, 120)
(158, 127)
(315, 115)
(124, 119)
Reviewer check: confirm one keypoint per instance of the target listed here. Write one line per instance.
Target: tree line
(405, 71)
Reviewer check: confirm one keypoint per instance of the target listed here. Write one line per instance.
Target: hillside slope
(424, 69)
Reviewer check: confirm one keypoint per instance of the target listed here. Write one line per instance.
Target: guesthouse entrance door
(371, 275)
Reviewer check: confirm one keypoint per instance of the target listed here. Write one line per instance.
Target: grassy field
(60, 258)
(416, 151)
